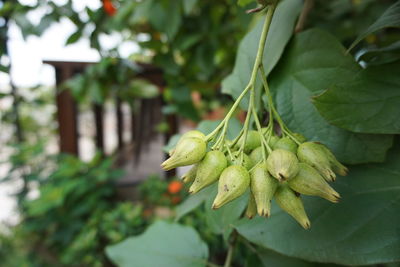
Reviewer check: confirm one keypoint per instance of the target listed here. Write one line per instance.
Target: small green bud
(253, 140)
(263, 187)
(282, 164)
(287, 144)
(312, 154)
(309, 182)
(301, 138)
(188, 151)
(232, 183)
(208, 170)
(256, 155)
(247, 162)
(251, 210)
(190, 175)
(192, 133)
(292, 204)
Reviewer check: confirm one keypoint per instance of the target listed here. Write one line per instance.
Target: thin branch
(308, 5)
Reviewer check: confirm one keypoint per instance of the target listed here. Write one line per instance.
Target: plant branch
(232, 244)
(308, 5)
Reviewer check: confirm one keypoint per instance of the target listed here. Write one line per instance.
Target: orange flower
(174, 187)
(109, 8)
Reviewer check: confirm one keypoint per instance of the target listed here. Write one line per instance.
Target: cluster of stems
(218, 135)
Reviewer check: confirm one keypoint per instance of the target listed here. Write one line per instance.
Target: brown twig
(308, 5)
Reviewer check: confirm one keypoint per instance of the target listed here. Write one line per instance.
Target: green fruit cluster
(272, 167)
(282, 169)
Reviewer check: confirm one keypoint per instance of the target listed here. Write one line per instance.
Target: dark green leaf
(163, 244)
(73, 38)
(362, 229)
(221, 221)
(281, 30)
(312, 63)
(244, 2)
(193, 201)
(390, 18)
(272, 258)
(188, 5)
(367, 104)
(166, 17)
(379, 56)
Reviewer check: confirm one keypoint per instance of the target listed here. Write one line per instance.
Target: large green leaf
(315, 60)
(281, 30)
(163, 244)
(390, 18)
(193, 201)
(362, 229)
(367, 104)
(221, 221)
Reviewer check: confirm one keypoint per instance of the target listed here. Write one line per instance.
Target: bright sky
(27, 56)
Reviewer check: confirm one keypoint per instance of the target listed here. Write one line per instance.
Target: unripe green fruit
(299, 137)
(335, 164)
(192, 133)
(190, 175)
(253, 140)
(292, 204)
(188, 151)
(309, 182)
(251, 210)
(315, 156)
(208, 170)
(263, 187)
(273, 140)
(256, 155)
(247, 162)
(282, 164)
(232, 183)
(287, 144)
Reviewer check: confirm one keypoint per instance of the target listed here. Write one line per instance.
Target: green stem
(257, 63)
(229, 114)
(284, 128)
(232, 244)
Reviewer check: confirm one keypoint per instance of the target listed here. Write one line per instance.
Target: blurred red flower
(109, 8)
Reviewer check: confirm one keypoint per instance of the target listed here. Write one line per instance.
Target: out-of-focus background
(92, 96)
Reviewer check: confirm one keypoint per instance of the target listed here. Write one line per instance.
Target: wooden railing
(142, 122)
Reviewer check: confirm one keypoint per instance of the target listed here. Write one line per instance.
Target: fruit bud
(190, 175)
(251, 210)
(292, 204)
(309, 182)
(256, 155)
(263, 188)
(312, 154)
(287, 144)
(232, 183)
(282, 164)
(252, 141)
(273, 140)
(188, 151)
(208, 170)
(247, 162)
(301, 138)
(193, 133)
(335, 164)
